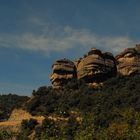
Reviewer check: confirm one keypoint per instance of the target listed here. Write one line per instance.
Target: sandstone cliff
(128, 62)
(63, 70)
(96, 66)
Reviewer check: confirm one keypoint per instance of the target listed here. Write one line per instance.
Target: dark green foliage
(118, 92)
(29, 124)
(27, 127)
(101, 109)
(8, 103)
(49, 128)
(57, 130)
(110, 113)
(4, 135)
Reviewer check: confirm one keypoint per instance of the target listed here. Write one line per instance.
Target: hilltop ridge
(96, 67)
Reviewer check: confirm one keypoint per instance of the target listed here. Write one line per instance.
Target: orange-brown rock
(128, 62)
(62, 71)
(96, 66)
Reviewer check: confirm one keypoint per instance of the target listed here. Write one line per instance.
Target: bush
(112, 112)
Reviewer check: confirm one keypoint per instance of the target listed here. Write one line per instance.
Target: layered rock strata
(128, 62)
(96, 66)
(62, 71)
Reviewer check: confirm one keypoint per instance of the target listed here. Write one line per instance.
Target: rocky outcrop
(62, 71)
(96, 66)
(128, 62)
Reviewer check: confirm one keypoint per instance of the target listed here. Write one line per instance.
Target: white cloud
(63, 39)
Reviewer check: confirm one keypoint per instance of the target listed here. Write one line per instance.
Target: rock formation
(128, 62)
(96, 66)
(62, 71)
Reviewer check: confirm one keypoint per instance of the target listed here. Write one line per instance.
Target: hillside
(79, 112)
(94, 98)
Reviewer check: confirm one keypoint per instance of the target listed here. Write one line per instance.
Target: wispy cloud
(63, 39)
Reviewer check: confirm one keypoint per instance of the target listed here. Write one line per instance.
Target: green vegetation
(110, 113)
(78, 112)
(8, 103)
(5, 135)
(27, 128)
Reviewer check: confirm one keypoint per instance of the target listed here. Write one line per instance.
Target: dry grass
(17, 116)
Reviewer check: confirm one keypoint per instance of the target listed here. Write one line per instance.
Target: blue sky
(34, 33)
